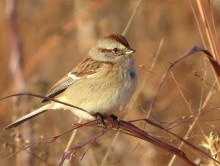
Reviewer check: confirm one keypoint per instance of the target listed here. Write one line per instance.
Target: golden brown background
(56, 34)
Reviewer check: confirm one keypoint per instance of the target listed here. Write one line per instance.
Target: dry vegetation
(54, 35)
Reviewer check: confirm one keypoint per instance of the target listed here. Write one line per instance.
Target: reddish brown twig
(89, 140)
(178, 137)
(125, 127)
(130, 129)
(194, 50)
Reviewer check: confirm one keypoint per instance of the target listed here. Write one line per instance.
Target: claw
(116, 119)
(100, 118)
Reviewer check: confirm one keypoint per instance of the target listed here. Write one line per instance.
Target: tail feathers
(28, 116)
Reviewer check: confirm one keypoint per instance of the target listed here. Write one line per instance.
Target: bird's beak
(129, 51)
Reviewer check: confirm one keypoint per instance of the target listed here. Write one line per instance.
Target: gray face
(111, 47)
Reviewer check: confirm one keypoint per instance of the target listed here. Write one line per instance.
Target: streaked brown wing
(86, 68)
(60, 87)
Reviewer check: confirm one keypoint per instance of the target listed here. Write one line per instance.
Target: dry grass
(57, 34)
(212, 145)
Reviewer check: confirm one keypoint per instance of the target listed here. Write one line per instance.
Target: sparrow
(103, 82)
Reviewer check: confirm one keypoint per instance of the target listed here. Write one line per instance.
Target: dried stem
(211, 37)
(16, 65)
(130, 129)
(188, 53)
(72, 136)
(125, 127)
(131, 18)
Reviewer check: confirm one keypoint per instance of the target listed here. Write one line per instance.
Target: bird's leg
(116, 119)
(106, 120)
(100, 118)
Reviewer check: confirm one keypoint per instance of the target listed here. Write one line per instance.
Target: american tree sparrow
(103, 82)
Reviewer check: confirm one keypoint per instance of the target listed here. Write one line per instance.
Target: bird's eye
(115, 50)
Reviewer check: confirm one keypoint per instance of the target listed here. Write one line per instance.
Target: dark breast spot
(132, 74)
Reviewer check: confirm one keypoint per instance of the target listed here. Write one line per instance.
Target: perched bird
(103, 82)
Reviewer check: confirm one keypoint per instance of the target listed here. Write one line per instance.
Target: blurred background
(40, 41)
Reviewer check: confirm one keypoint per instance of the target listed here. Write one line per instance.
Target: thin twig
(82, 144)
(207, 27)
(197, 23)
(44, 97)
(131, 18)
(72, 136)
(188, 53)
(195, 120)
(130, 129)
(16, 65)
(145, 136)
(193, 147)
(215, 33)
(210, 38)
